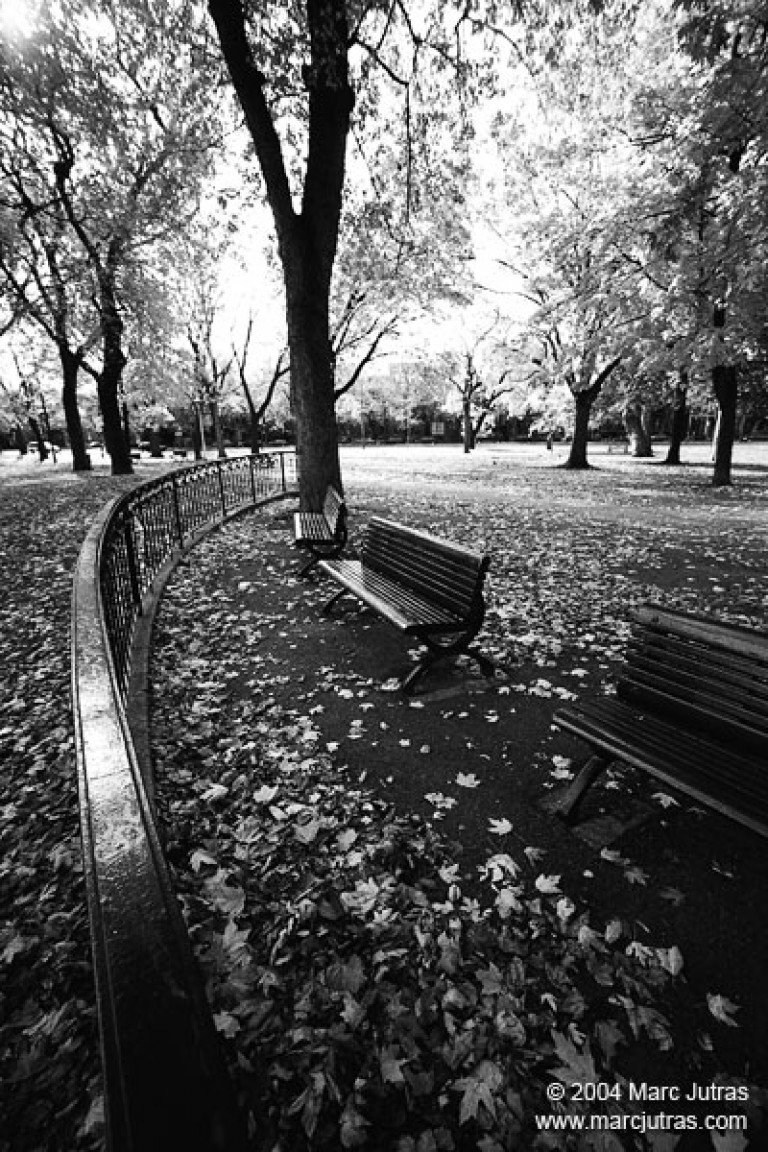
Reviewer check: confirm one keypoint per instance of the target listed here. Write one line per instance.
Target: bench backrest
(334, 510)
(712, 676)
(443, 573)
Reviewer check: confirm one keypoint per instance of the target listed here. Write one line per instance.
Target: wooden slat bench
(691, 709)
(323, 533)
(426, 587)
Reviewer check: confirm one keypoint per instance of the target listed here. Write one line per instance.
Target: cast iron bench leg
(590, 770)
(305, 568)
(330, 603)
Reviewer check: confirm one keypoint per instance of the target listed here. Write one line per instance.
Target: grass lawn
(402, 946)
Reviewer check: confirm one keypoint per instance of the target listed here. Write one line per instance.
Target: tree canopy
(605, 159)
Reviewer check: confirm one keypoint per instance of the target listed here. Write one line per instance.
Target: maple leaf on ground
(353, 1127)
(576, 1064)
(214, 792)
(548, 885)
(722, 1009)
(479, 1089)
(265, 794)
(499, 866)
(500, 827)
(390, 1066)
(467, 780)
(199, 859)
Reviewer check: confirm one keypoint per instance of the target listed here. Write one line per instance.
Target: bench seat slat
(406, 611)
(617, 721)
(442, 572)
(729, 637)
(716, 712)
(682, 652)
(311, 526)
(733, 784)
(732, 688)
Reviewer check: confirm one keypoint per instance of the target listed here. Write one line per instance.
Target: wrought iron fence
(166, 1088)
(149, 525)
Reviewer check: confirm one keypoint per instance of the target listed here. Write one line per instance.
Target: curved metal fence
(150, 524)
(165, 1084)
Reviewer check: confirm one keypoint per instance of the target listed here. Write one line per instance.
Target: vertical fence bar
(177, 511)
(282, 471)
(221, 490)
(133, 575)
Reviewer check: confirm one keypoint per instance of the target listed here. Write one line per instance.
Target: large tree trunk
(724, 380)
(312, 394)
(306, 240)
(679, 418)
(577, 457)
(636, 422)
(110, 379)
(70, 367)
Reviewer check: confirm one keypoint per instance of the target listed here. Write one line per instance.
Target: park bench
(691, 709)
(426, 587)
(323, 533)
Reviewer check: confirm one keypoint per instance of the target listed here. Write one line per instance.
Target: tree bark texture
(577, 457)
(70, 367)
(110, 379)
(679, 419)
(312, 395)
(725, 383)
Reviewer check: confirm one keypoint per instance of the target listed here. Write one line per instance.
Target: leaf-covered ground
(50, 1085)
(401, 946)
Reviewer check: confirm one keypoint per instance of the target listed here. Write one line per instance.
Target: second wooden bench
(691, 710)
(323, 533)
(426, 587)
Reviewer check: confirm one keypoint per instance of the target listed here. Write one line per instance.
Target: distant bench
(691, 710)
(323, 533)
(426, 587)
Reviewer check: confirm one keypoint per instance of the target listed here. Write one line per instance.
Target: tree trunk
(70, 367)
(585, 398)
(312, 393)
(254, 431)
(724, 380)
(217, 435)
(306, 240)
(110, 379)
(679, 418)
(466, 427)
(577, 457)
(636, 420)
(42, 451)
(197, 436)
